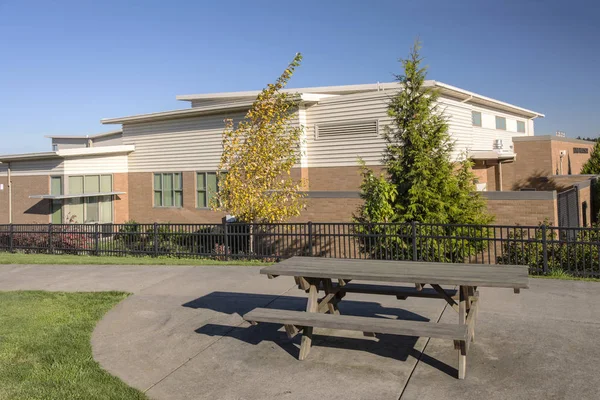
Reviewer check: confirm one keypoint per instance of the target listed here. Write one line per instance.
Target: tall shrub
(428, 186)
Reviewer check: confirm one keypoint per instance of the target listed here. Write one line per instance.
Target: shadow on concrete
(391, 346)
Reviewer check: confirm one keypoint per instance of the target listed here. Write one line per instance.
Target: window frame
(205, 189)
(524, 127)
(57, 205)
(84, 201)
(473, 112)
(162, 189)
(499, 118)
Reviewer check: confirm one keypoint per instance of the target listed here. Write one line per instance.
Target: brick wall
(572, 162)
(329, 210)
(24, 209)
(585, 212)
(4, 200)
(337, 178)
(121, 202)
(522, 208)
(533, 161)
(141, 195)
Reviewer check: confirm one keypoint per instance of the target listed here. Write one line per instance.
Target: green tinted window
(476, 117)
(521, 126)
(501, 123)
(75, 184)
(91, 184)
(106, 183)
(56, 185)
(207, 186)
(168, 190)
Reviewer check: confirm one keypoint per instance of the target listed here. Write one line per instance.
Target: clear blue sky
(66, 64)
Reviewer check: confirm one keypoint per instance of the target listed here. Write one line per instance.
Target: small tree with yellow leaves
(255, 182)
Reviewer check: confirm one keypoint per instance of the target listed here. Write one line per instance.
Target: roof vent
(347, 130)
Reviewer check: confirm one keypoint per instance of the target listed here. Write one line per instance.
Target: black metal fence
(543, 248)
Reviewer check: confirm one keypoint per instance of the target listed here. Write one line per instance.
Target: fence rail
(544, 249)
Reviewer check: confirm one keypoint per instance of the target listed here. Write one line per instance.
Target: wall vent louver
(347, 130)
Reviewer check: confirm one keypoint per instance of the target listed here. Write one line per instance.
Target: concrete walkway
(180, 336)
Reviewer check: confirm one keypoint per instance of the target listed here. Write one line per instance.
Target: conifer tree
(592, 166)
(421, 183)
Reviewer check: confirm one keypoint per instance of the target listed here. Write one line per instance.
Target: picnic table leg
(307, 332)
(462, 320)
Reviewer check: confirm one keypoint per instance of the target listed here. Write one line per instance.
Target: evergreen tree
(592, 166)
(422, 184)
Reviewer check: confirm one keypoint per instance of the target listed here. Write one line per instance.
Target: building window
(501, 123)
(56, 207)
(476, 118)
(520, 126)
(168, 190)
(54, 147)
(206, 188)
(91, 209)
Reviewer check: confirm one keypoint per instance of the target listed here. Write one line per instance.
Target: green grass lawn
(45, 350)
(19, 258)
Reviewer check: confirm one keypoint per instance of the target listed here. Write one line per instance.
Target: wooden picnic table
(333, 277)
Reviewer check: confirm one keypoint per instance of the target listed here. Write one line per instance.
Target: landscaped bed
(45, 350)
(20, 258)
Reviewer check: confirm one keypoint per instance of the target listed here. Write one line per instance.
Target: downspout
(499, 175)
(9, 194)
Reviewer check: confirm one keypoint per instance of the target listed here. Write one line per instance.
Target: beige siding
(95, 165)
(186, 144)
(113, 140)
(484, 136)
(37, 167)
(63, 143)
(345, 152)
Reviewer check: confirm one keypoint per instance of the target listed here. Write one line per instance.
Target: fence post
(96, 239)
(10, 238)
(50, 249)
(545, 248)
(225, 239)
(155, 239)
(414, 240)
(310, 239)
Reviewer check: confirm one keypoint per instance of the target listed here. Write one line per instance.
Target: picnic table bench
(333, 278)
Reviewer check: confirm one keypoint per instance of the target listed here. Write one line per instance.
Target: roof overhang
(66, 153)
(92, 151)
(73, 196)
(474, 98)
(491, 156)
(28, 156)
(188, 112)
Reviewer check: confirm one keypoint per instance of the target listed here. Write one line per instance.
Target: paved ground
(180, 336)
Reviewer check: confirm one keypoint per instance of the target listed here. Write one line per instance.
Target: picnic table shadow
(397, 347)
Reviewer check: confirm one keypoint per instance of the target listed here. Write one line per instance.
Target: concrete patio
(180, 336)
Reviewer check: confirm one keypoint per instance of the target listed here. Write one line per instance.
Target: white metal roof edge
(485, 98)
(95, 136)
(28, 156)
(89, 151)
(177, 113)
(317, 89)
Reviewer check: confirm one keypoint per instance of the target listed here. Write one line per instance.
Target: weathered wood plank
(445, 295)
(463, 344)
(509, 276)
(398, 291)
(307, 333)
(361, 324)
